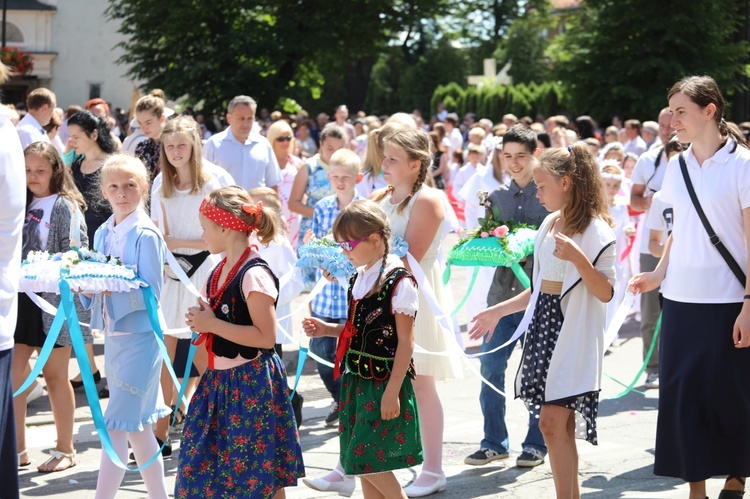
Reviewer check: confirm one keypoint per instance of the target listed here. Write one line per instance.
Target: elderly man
(244, 153)
(13, 194)
(41, 104)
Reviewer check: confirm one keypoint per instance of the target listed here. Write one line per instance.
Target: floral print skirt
(240, 439)
(370, 444)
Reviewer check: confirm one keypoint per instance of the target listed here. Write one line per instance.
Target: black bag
(733, 265)
(189, 264)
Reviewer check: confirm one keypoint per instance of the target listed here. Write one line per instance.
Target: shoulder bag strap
(733, 265)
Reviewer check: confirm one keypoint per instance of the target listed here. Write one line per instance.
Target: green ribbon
(515, 267)
(631, 386)
(521, 275)
(468, 291)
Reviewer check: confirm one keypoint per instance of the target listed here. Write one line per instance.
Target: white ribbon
(616, 323)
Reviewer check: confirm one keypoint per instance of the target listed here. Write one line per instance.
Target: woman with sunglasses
(282, 140)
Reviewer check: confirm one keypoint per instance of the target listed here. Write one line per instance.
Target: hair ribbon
(255, 210)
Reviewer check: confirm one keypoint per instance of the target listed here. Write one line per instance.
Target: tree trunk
(356, 80)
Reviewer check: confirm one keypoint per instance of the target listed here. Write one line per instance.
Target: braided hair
(418, 147)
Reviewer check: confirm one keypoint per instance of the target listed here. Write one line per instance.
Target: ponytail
(266, 225)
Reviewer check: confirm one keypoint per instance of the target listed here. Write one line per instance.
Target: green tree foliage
(493, 101)
(214, 50)
(623, 56)
(526, 45)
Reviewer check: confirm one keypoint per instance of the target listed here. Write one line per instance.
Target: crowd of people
(660, 208)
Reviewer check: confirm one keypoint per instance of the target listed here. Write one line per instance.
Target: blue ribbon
(67, 311)
(300, 365)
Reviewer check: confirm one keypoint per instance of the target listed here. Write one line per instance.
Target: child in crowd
(281, 258)
(149, 111)
(131, 354)
(379, 430)
(53, 222)
(660, 217)
(416, 214)
(184, 184)
(372, 173)
(624, 229)
(330, 304)
(239, 439)
(472, 166)
(574, 254)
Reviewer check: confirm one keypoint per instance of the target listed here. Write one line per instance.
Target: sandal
(732, 494)
(59, 456)
(178, 416)
(20, 455)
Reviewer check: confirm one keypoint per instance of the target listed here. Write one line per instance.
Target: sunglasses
(283, 139)
(350, 245)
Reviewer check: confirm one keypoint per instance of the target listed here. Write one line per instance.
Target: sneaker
(332, 418)
(484, 456)
(529, 458)
(652, 381)
(166, 452)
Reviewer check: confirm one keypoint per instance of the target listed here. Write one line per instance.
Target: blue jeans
(325, 348)
(493, 404)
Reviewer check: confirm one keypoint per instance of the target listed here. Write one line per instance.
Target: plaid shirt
(331, 302)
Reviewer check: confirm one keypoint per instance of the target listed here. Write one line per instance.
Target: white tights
(144, 446)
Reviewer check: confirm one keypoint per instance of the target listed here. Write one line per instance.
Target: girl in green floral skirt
(379, 424)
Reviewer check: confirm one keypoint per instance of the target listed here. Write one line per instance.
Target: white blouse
(405, 296)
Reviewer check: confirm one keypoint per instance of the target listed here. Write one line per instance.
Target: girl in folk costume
(239, 439)
(379, 429)
(574, 275)
(416, 214)
(131, 354)
(184, 184)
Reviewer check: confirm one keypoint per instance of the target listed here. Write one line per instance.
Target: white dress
(428, 333)
(181, 222)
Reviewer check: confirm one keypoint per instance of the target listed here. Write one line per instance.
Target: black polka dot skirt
(538, 349)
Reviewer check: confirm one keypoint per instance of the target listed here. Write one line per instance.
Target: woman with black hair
(90, 137)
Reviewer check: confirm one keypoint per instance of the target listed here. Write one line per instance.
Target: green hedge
(493, 101)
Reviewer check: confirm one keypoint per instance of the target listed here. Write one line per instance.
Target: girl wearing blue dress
(240, 438)
(132, 357)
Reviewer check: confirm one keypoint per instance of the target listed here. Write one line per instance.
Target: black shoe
(297, 401)
(333, 414)
(78, 384)
(104, 393)
(166, 452)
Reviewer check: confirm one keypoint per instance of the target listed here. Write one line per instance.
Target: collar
(720, 156)
(125, 225)
(514, 188)
(30, 120)
(250, 138)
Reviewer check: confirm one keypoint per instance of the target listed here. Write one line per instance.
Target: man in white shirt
(244, 153)
(13, 194)
(650, 134)
(634, 143)
(41, 104)
(647, 179)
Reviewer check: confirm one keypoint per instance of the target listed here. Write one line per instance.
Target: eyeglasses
(283, 139)
(350, 245)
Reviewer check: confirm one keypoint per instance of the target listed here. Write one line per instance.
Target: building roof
(32, 5)
(564, 4)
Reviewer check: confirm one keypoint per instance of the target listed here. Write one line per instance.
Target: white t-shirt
(36, 225)
(12, 210)
(645, 173)
(637, 146)
(213, 170)
(456, 141)
(697, 273)
(30, 131)
(464, 174)
(660, 216)
(484, 180)
(252, 164)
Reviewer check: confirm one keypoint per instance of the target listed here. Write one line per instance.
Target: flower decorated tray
(83, 269)
(495, 248)
(324, 252)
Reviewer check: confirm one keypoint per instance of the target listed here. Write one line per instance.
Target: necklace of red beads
(215, 294)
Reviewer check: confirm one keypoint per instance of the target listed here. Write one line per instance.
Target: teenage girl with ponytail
(574, 274)
(379, 429)
(704, 392)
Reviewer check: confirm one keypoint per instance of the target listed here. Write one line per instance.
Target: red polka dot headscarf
(229, 221)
